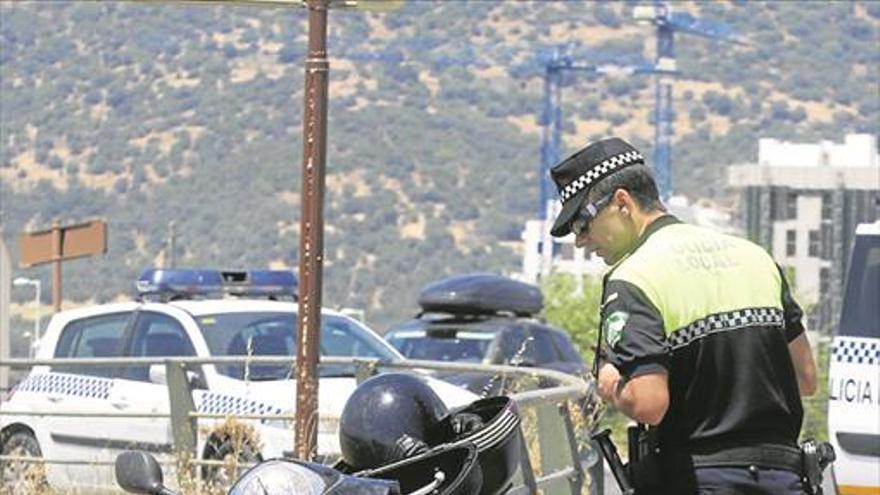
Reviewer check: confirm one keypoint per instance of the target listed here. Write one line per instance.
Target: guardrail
(557, 417)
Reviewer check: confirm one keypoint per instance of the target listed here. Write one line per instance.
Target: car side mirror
(159, 376)
(139, 472)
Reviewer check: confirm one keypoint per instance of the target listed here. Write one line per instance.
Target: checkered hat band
(723, 322)
(855, 351)
(598, 172)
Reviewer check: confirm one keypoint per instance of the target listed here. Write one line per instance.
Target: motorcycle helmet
(444, 470)
(492, 425)
(388, 418)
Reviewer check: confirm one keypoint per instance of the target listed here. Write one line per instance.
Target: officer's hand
(609, 380)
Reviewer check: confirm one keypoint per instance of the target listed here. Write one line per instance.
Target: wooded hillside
(147, 114)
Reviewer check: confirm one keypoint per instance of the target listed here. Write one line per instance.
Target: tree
(576, 309)
(573, 308)
(816, 407)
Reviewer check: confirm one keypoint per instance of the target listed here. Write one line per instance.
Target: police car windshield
(440, 346)
(274, 334)
(860, 316)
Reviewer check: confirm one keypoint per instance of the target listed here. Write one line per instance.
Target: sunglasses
(581, 222)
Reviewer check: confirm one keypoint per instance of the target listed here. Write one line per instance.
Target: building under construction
(802, 201)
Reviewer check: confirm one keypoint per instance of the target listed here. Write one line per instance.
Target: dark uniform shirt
(731, 379)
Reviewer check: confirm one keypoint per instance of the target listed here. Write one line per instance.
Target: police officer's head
(387, 418)
(608, 197)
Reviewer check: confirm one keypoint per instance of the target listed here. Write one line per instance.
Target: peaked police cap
(575, 175)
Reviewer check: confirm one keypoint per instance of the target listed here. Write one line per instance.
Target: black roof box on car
(481, 293)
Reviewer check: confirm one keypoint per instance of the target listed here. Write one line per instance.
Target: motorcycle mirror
(139, 472)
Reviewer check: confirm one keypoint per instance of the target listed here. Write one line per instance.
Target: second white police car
(854, 372)
(179, 315)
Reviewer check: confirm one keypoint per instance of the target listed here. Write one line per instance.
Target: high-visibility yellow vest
(690, 273)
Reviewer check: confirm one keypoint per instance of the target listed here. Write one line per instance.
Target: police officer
(703, 341)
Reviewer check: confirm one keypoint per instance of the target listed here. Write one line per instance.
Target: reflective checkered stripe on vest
(703, 282)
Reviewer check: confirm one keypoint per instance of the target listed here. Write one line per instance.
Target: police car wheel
(233, 457)
(26, 475)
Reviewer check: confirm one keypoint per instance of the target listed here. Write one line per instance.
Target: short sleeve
(792, 314)
(632, 331)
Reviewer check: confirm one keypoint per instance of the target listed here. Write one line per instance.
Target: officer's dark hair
(638, 180)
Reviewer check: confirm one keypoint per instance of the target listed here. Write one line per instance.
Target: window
(859, 312)
(261, 333)
(566, 347)
(791, 206)
(95, 337)
(545, 351)
(790, 242)
(775, 204)
(341, 337)
(825, 239)
(813, 247)
(824, 282)
(516, 347)
(442, 343)
(826, 206)
(156, 335)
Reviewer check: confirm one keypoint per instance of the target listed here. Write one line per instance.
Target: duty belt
(764, 456)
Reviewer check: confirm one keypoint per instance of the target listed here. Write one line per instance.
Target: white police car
(854, 372)
(175, 318)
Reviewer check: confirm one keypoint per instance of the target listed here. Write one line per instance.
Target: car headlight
(278, 477)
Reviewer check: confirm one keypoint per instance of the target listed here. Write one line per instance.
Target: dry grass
(244, 441)
(242, 437)
(34, 482)
(585, 414)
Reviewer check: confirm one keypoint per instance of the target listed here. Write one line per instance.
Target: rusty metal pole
(56, 265)
(311, 239)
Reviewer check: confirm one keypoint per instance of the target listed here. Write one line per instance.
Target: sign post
(62, 243)
(311, 241)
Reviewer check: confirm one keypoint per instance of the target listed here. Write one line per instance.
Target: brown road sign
(84, 239)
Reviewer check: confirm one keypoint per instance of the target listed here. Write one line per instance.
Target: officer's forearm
(644, 398)
(804, 364)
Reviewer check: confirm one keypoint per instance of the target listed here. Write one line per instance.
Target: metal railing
(557, 456)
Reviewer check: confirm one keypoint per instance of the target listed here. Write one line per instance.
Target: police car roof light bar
(164, 284)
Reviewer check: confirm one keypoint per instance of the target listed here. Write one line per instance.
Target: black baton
(609, 452)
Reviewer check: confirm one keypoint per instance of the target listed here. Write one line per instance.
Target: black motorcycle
(447, 470)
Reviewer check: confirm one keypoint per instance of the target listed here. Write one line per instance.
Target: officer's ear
(623, 200)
